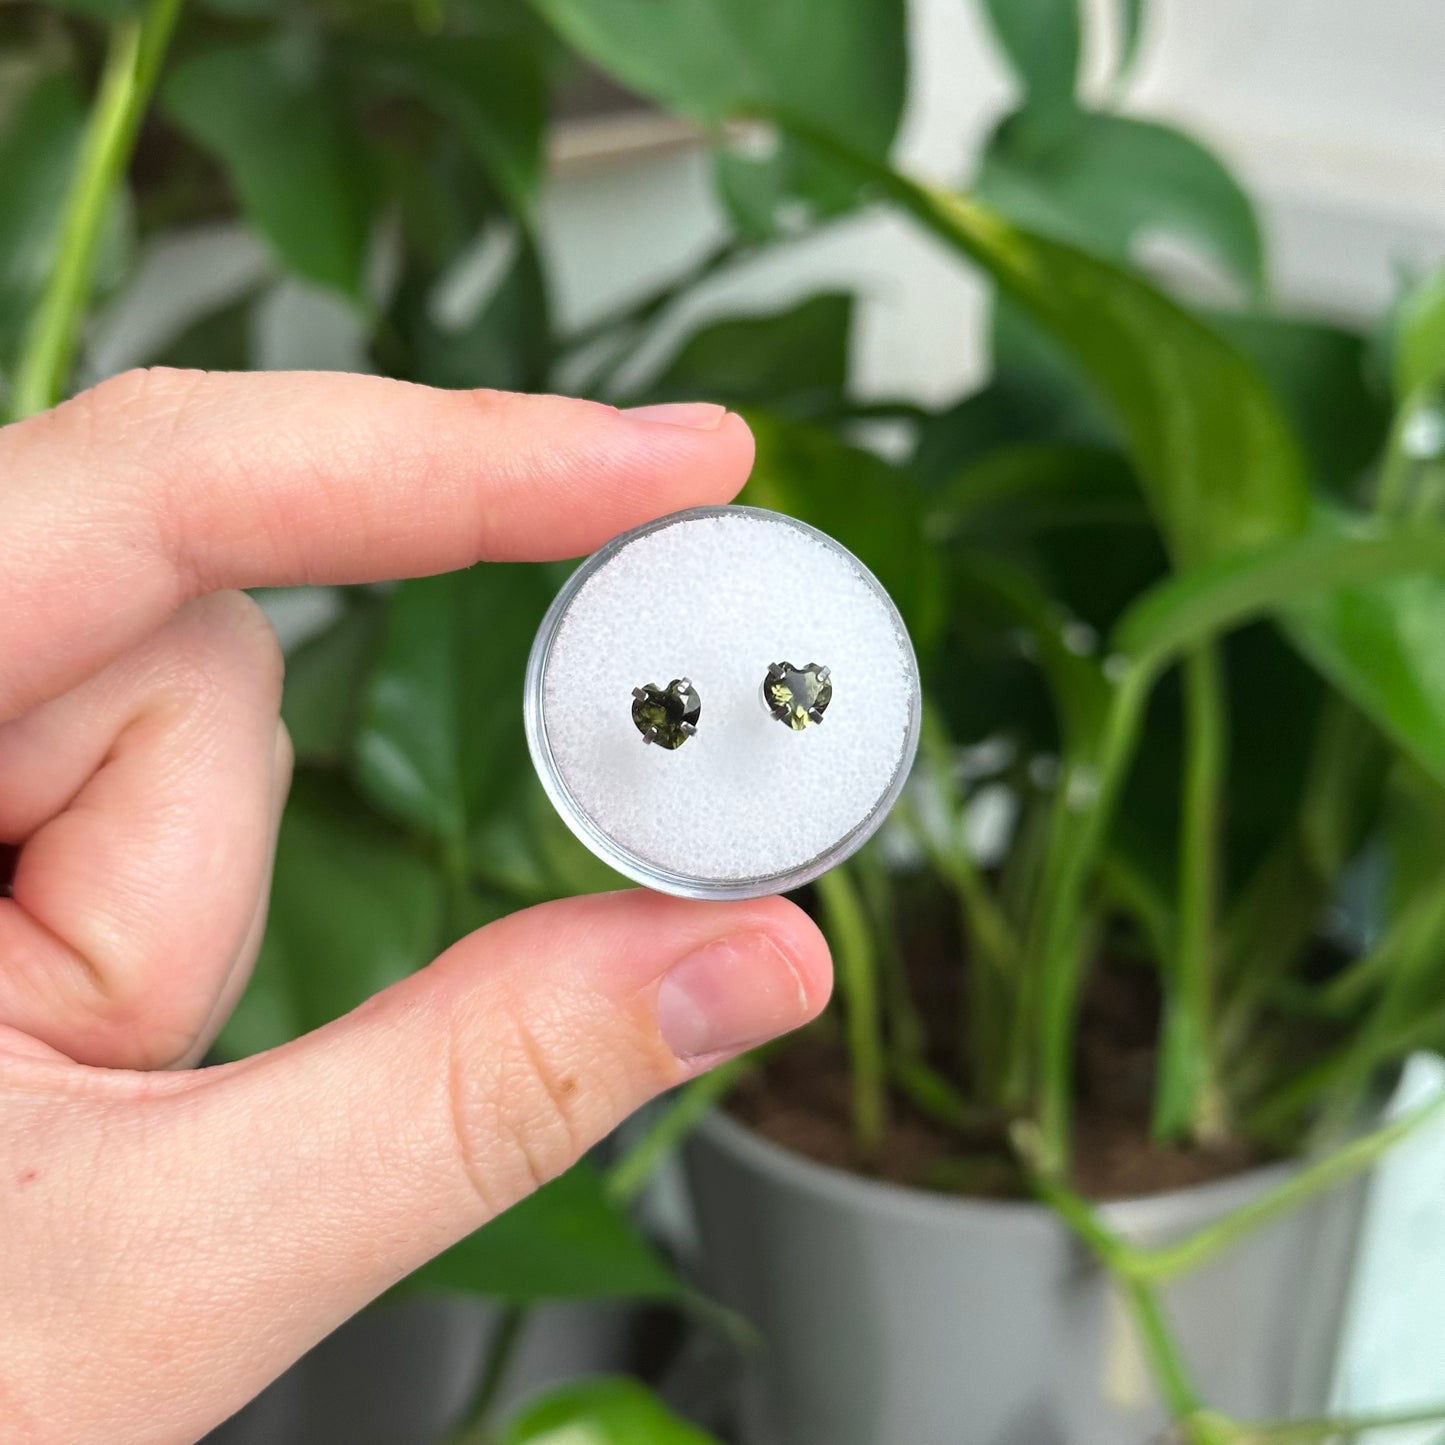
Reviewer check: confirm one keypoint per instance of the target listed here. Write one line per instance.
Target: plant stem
(1416, 926)
(1411, 486)
(991, 942)
(1346, 770)
(1139, 1271)
(846, 925)
(1130, 892)
(1393, 487)
(990, 937)
(1019, 890)
(133, 61)
(1166, 1360)
(1327, 1427)
(1334, 1168)
(905, 1031)
(1277, 916)
(677, 1120)
(936, 1096)
(1085, 1221)
(501, 1350)
(1187, 1100)
(1078, 833)
(1407, 992)
(1167, 1261)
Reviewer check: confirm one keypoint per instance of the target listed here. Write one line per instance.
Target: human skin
(171, 1238)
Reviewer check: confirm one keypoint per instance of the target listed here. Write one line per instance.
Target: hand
(171, 1240)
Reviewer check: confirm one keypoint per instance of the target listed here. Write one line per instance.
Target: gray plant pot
(896, 1317)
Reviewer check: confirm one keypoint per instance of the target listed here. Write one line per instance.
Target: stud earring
(797, 696)
(667, 715)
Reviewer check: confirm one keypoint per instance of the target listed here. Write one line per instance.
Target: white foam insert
(717, 598)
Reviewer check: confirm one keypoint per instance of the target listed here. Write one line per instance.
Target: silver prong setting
(666, 716)
(797, 697)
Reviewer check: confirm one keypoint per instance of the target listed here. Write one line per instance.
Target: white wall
(1333, 111)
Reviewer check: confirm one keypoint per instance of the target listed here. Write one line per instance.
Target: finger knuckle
(133, 425)
(516, 1117)
(143, 397)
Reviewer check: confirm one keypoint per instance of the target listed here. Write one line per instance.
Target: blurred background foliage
(389, 158)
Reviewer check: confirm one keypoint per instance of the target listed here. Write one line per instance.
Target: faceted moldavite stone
(798, 696)
(667, 715)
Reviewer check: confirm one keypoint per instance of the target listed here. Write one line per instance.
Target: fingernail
(728, 996)
(699, 415)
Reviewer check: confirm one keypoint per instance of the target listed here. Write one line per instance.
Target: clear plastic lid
(723, 703)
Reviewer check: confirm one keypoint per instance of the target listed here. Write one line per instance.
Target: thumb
(219, 1223)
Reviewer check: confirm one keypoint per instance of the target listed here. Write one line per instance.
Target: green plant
(1180, 568)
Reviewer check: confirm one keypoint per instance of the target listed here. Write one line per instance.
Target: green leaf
(489, 89)
(1319, 372)
(1029, 488)
(1412, 476)
(1071, 520)
(874, 509)
(1043, 40)
(523, 849)
(500, 336)
(1414, 832)
(1364, 604)
(441, 198)
(1231, 590)
(441, 738)
(1420, 338)
(609, 1411)
(569, 866)
(1076, 682)
(1035, 396)
(108, 10)
(354, 908)
(794, 362)
(1214, 452)
(220, 340)
(1133, 20)
(1383, 646)
(504, 855)
(843, 65)
(325, 682)
(1105, 181)
(568, 1240)
(39, 134)
(754, 189)
(276, 118)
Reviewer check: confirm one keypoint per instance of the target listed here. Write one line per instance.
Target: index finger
(157, 486)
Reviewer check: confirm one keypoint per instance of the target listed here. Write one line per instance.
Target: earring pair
(668, 716)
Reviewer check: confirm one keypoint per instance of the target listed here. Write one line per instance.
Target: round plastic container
(746, 805)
